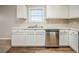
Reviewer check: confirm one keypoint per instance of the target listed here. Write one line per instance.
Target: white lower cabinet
(40, 40)
(64, 38)
(69, 38)
(18, 40)
(73, 40)
(28, 38)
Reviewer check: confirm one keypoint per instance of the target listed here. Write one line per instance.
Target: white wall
(7, 20)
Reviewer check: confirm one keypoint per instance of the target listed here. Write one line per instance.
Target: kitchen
(46, 26)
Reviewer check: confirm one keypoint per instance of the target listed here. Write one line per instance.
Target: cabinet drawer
(18, 32)
(35, 32)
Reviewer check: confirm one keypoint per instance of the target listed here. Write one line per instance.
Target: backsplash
(57, 21)
(74, 22)
(71, 22)
(48, 21)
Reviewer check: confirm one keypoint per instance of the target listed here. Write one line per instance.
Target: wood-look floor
(40, 50)
(5, 47)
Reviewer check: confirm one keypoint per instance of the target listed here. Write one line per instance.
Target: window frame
(37, 7)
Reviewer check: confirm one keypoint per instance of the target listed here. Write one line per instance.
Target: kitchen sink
(35, 26)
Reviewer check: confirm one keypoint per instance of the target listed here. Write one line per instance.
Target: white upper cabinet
(74, 11)
(57, 11)
(21, 11)
(52, 11)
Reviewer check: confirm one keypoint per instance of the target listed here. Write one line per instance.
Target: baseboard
(5, 39)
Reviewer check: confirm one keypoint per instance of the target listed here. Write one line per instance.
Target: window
(36, 14)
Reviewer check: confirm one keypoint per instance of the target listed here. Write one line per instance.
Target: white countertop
(47, 26)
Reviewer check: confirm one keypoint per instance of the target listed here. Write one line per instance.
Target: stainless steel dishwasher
(52, 38)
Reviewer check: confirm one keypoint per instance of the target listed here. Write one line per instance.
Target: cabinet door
(18, 40)
(76, 41)
(22, 11)
(57, 11)
(63, 38)
(30, 37)
(39, 38)
(31, 40)
(74, 11)
(73, 40)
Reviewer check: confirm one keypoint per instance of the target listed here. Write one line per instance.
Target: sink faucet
(35, 26)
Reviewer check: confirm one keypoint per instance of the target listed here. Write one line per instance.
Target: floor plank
(5, 46)
(40, 50)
